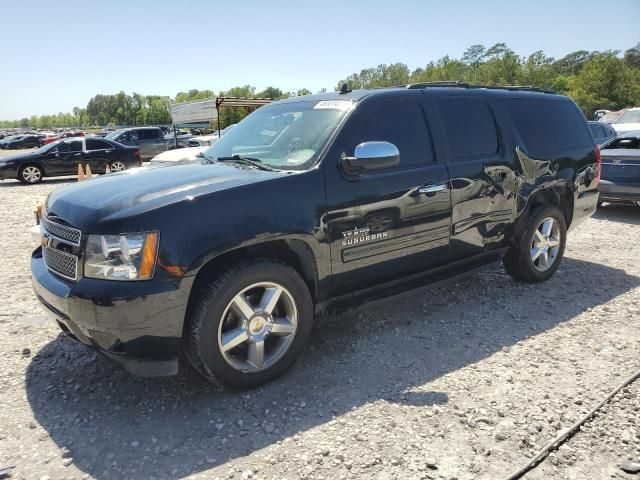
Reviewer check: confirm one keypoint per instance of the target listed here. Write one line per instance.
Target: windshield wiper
(256, 162)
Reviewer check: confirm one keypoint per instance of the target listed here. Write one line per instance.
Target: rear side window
(94, 144)
(546, 124)
(402, 123)
(470, 127)
(149, 134)
(597, 131)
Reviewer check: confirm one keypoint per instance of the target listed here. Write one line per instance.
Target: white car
(628, 121)
(178, 155)
(203, 140)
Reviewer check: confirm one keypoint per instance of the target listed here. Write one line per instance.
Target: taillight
(596, 151)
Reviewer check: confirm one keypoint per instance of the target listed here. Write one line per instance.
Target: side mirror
(369, 156)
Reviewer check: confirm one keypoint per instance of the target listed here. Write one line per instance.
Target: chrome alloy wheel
(258, 326)
(546, 244)
(31, 174)
(117, 166)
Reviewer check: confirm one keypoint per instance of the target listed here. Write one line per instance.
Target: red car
(47, 140)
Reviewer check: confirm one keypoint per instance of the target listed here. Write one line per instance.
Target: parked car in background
(20, 141)
(149, 139)
(611, 117)
(177, 141)
(598, 114)
(628, 121)
(63, 156)
(224, 262)
(178, 155)
(601, 132)
(620, 181)
(60, 136)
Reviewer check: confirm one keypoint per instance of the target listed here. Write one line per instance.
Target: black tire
(21, 174)
(518, 262)
(208, 307)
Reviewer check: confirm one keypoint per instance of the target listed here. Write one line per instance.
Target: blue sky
(58, 54)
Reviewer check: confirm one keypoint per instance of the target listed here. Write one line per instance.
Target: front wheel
(248, 325)
(30, 174)
(539, 248)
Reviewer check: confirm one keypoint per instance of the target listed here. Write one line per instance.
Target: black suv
(308, 204)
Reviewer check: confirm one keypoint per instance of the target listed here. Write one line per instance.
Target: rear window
(546, 124)
(470, 127)
(624, 143)
(597, 131)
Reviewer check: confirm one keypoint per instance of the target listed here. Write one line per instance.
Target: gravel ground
(464, 381)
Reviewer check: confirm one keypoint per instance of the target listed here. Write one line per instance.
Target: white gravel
(464, 381)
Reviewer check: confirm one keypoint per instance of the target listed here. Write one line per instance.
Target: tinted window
(624, 142)
(470, 127)
(94, 144)
(596, 131)
(546, 124)
(75, 146)
(402, 123)
(149, 134)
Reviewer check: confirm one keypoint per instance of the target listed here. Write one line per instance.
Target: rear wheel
(538, 250)
(118, 166)
(30, 174)
(250, 324)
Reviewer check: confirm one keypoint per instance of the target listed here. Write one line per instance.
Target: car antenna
(344, 89)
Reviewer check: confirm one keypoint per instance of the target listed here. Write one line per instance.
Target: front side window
(287, 136)
(402, 123)
(75, 146)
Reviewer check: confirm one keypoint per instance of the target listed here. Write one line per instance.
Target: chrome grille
(62, 263)
(67, 234)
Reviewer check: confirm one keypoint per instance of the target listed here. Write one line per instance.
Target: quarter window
(470, 127)
(402, 123)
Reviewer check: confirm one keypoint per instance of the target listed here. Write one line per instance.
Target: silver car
(149, 139)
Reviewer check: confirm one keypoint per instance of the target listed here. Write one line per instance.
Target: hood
(178, 154)
(19, 157)
(117, 196)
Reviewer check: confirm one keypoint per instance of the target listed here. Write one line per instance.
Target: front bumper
(621, 192)
(8, 171)
(136, 324)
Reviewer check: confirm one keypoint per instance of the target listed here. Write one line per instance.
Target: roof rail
(458, 84)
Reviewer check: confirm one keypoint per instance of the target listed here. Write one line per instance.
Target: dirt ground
(464, 381)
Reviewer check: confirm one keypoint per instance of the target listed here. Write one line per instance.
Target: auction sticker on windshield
(334, 104)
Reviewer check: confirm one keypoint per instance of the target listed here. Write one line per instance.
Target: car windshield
(113, 135)
(286, 136)
(609, 117)
(47, 147)
(630, 116)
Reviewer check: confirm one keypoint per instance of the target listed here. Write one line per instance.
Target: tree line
(594, 80)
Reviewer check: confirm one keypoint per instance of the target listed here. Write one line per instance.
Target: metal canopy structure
(209, 109)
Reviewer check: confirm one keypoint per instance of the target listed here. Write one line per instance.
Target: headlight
(121, 257)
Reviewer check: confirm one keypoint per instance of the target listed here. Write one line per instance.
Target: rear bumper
(138, 325)
(621, 192)
(584, 205)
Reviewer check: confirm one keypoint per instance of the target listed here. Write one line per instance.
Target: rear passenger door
(386, 223)
(151, 142)
(98, 154)
(481, 168)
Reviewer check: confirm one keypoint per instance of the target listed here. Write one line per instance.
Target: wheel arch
(560, 196)
(294, 252)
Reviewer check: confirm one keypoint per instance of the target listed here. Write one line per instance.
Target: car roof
(448, 88)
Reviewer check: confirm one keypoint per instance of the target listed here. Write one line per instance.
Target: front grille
(67, 234)
(62, 263)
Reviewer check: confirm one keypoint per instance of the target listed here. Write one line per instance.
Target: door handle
(77, 154)
(430, 189)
